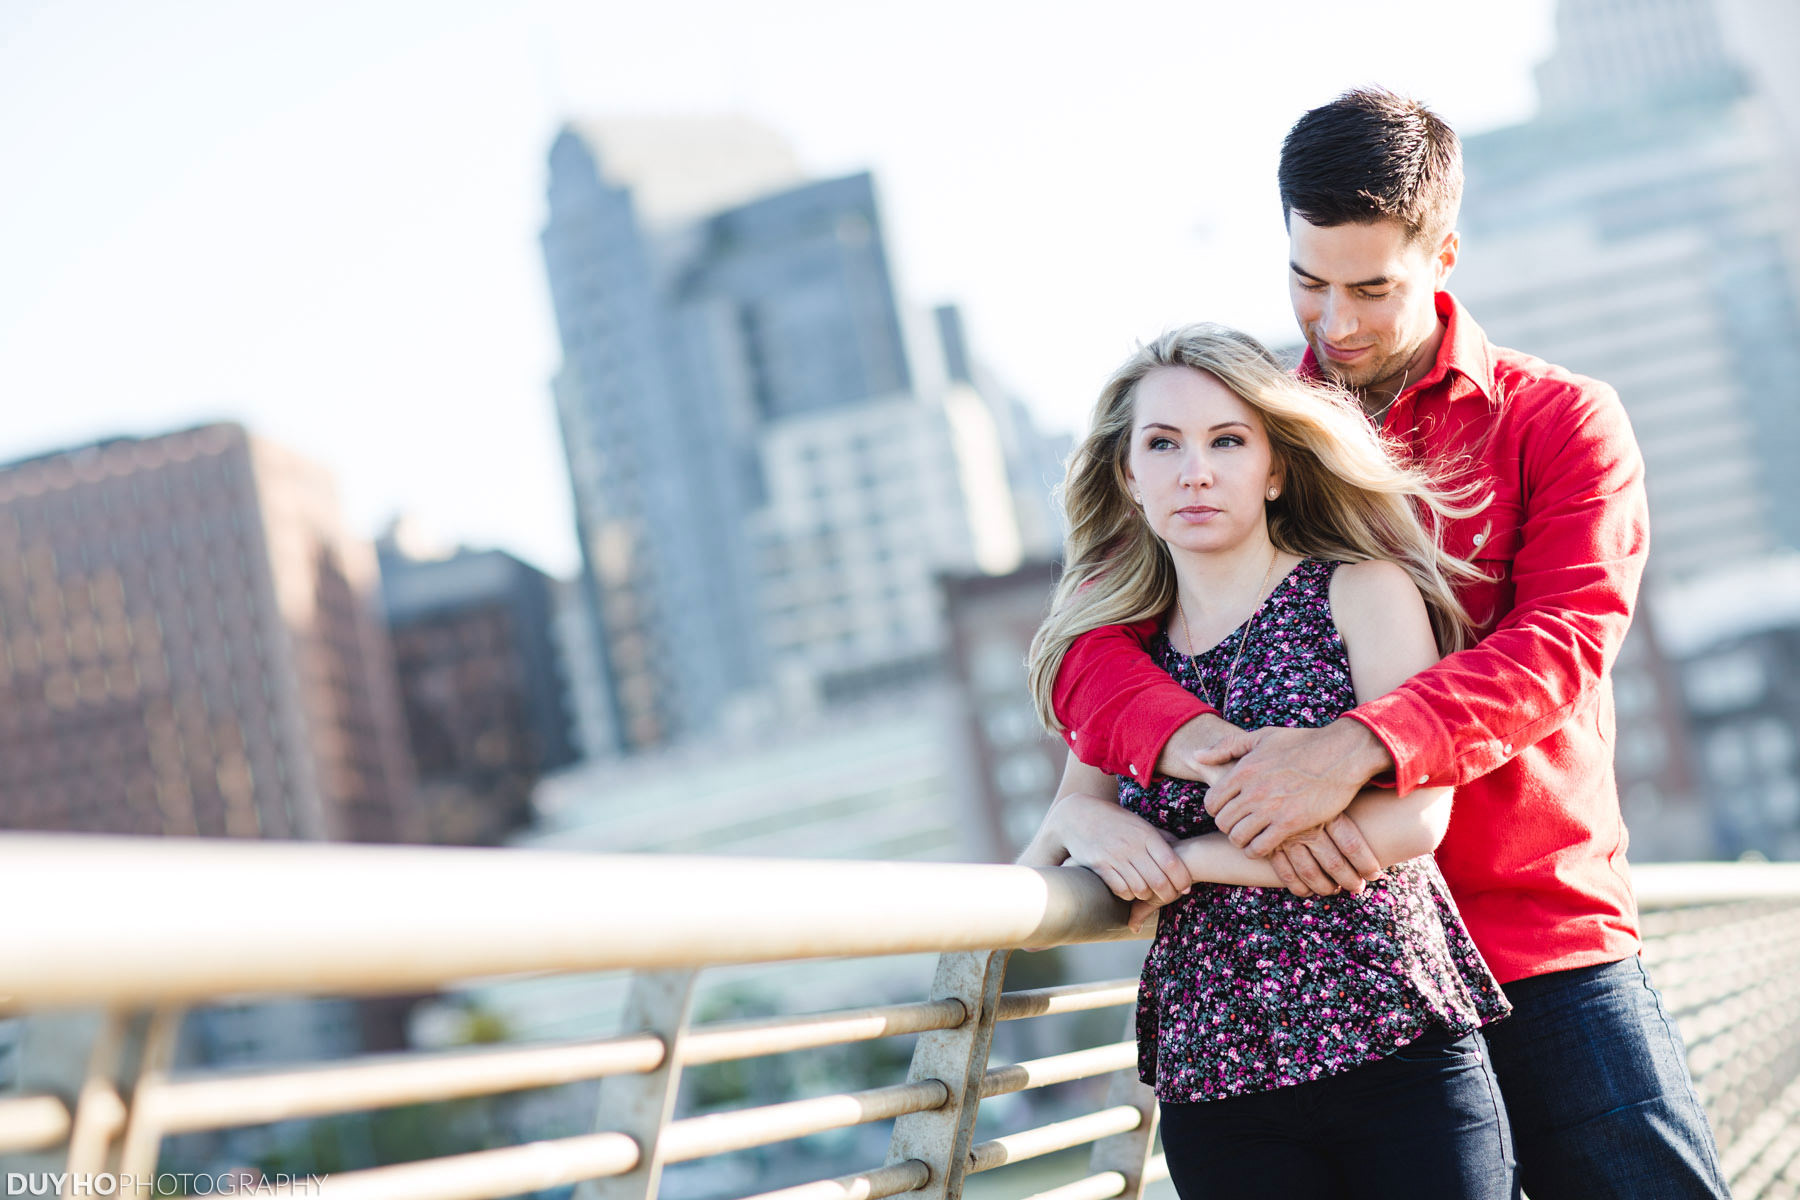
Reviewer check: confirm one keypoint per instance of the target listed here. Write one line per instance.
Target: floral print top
(1249, 989)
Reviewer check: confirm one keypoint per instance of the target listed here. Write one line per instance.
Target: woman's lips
(1196, 514)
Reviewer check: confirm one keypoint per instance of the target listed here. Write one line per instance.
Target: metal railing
(145, 929)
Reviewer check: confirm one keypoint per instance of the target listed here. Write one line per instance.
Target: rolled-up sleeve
(1117, 707)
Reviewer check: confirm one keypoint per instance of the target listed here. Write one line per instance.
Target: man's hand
(1200, 750)
(1321, 862)
(1287, 782)
(1129, 854)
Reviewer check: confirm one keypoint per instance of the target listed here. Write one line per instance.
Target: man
(1593, 1073)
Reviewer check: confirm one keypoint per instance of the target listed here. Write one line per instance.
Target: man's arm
(1123, 714)
(1583, 541)
(1387, 637)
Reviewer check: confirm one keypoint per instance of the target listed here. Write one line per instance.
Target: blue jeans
(1597, 1089)
(1424, 1121)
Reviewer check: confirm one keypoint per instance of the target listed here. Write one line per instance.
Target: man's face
(1364, 298)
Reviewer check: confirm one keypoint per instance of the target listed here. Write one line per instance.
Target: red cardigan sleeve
(1583, 539)
(1117, 707)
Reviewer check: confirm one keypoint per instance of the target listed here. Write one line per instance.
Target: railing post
(958, 1057)
(100, 1112)
(1129, 1152)
(143, 1127)
(640, 1105)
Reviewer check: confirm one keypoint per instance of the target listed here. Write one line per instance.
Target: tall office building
(1644, 228)
(486, 709)
(189, 646)
(1013, 764)
(766, 475)
(1736, 634)
(578, 665)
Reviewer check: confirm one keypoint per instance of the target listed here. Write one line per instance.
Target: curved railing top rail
(150, 920)
(163, 920)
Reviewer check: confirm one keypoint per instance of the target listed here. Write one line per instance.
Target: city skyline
(352, 238)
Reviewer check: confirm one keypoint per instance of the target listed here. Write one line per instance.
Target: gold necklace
(1193, 658)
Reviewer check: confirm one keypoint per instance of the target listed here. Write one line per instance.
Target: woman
(1300, 1046)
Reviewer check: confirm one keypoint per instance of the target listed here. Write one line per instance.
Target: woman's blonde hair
(1344, 497)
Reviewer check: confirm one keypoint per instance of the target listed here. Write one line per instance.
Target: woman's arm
(1395, 829)
(1387, 635)
(1086, 827)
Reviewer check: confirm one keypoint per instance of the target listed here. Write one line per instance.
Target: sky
(321, 220)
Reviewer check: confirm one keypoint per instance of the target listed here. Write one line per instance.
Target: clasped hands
(1276, 793)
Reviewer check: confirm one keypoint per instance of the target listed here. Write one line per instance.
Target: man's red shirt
(1522, 723)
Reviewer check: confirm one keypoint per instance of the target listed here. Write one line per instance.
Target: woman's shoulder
(1373, 581)
(1378, 578)
(1373, 591)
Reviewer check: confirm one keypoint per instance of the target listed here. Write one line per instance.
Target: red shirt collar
(1465, 350)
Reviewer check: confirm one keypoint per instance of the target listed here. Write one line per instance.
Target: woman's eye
(1158, 443)
(1229, 439)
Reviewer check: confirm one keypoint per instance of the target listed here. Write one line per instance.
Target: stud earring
(1274, 492)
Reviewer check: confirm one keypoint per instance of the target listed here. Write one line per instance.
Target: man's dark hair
(1372, 155)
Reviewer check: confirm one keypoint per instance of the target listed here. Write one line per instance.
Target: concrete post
(958, 1058)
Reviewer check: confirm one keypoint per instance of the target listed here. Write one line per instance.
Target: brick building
(189, 646)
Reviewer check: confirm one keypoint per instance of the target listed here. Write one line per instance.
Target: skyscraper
(766, 476)
(188, 645)
(659, 472)
(486, 712)
(1644, 228)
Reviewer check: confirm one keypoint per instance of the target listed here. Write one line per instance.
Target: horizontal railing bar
(1047, 1139)
(1102, 1186)
(484, 1174)
(1058, 1068)
(890, 1180)
(467, 913)
(1156, 1169)
(1072, 997)
(193, 1103)
(221, 1100)
(32, 1123)
(1674, 885)
(778, 1035)
(720, 1133)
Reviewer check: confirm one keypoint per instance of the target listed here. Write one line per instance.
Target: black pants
(1427, 1120)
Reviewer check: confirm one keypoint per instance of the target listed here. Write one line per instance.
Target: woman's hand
(1130, 855)
(1141, 911)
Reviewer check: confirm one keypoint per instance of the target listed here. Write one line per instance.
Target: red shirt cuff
(1136, 745)
(1408, 730)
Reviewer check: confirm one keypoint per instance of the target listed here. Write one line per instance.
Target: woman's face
(1200, 461)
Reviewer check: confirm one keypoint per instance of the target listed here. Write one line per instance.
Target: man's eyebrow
(1378, 281)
